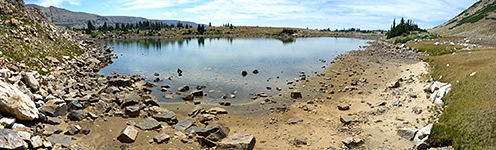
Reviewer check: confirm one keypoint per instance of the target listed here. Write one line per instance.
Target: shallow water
(217, 63)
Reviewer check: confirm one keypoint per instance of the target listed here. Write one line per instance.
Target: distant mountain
(478, 20)
(66, 18)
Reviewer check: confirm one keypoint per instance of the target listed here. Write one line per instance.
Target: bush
(400, 40)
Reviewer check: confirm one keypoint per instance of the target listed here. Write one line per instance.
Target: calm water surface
(217, 63)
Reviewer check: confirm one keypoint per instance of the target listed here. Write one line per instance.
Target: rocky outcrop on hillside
(66, 18)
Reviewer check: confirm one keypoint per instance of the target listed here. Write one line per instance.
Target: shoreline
(356, 36)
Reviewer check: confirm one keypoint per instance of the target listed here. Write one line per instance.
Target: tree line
(141, 25)
(402, 29)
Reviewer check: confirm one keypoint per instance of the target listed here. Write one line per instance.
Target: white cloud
(57, 3)
(143, 4)
(370, 14)
(170, 14)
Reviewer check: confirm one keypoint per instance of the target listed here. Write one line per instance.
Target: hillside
(479, 20)
(28, 39)
(66, 18)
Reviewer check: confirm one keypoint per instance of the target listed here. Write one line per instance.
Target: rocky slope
(66, 18)
(479, 20)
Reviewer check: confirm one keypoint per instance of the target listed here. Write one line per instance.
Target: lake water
(217, 63)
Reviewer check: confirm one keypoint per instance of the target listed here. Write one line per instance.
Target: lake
(217, 63)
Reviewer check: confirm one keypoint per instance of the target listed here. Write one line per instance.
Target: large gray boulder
(10, 139)
(239, 142)
(14, 102)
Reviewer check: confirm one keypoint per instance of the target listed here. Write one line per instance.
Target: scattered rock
(343, 107)
(184, 124)
(407, 133)
(294, 120)
(255, 71)
(73, 130)
(65, 141)
(128, 135)
(420, 139)
(214, 131)
(36, 142)
(300, 141)
(77, 115)
(132, 111)
(161, 138)
(148, 124)
(217, 110)
(30, 80)
(396, 84)
(352, 142)
(10, 139)
(169, 117)
(239, 141)
(244, 73)
(348, 119)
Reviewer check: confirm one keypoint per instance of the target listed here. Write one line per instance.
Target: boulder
(30, 81)
(7, 122)
(343, 107)
(296, 94)
(169, 117)
(36, 142)
(50, 129)
(407, 133)
(10, 139)
(396, 84)
(54, 110)
(128, 135)
(148, 124)
(217, 110)
(348, 119)
(14, 102)
(239, 141)
(132, 111)
(420, 139)
(294, 120)
(65, 141)
(352, 142)
(184, 124)
(161, 138)
(77, 115)
(214, 131)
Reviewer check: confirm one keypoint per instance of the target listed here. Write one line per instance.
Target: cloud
(144, 4)
(170, 14)
(370, 14)
(57, 3)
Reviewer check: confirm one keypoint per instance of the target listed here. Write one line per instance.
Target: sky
(314, 14)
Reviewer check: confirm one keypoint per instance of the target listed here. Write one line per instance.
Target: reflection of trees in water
(287, 40)
(201, 42)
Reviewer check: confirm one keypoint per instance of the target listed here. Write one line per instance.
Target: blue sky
(364, 14)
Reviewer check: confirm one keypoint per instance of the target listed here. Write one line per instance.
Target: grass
(469, 120)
